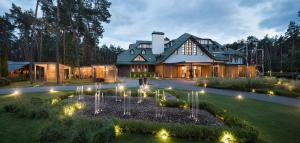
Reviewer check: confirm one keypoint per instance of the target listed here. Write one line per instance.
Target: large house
(188, 56)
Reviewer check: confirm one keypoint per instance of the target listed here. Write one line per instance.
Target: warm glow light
(146, 87)
(89, 89)
(227, 137)
(163, 134)
(205, 85)
(121, 87)
(16, 92)
(202, 91)
(170, 88)
(52, 90)
(240, 97)
(54, 101)
(118, 130)
(253, 90)
(271, 92)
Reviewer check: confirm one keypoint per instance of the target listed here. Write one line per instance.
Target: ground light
(253, 90)
(205, 85)
(202, 91)
(89, 89)
(227, 137)
(271, 92)
(163, 134)
(118, 130)
(16, 92)
(52, 90)
(240, 97)
(121, 87)
(170, 88)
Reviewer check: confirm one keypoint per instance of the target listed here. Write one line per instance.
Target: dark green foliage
(10, 108)
(78, 130)
(174, 103)
(29, 110)
(142, 74)
(4, 81)
(20, 77)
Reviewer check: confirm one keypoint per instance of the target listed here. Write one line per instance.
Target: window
(139, 58)
(131, 52)
(143, 52)
(194, 49)
(183, 49)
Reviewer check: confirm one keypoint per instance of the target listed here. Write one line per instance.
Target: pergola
(46, 71)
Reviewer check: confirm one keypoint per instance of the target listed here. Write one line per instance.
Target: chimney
(157, 42)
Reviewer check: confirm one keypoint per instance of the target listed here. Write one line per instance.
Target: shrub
(4, 81)
(142, 74)
(18, 78)
(10, 108)
(78, 130)
(174, 103)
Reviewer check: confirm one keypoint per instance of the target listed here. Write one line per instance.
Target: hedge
(142, 74)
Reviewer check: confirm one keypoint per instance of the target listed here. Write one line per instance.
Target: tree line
(277, 54)
(68, 32)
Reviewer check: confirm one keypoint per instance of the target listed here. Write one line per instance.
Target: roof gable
(139, 58)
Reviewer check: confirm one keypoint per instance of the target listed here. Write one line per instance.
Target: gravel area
(146, 111)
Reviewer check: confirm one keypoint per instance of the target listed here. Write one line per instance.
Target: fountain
(126, 104)
(159, 97)
(119, 89)
(142, 93)
(99, 99)
(193, 102)
(79, 92)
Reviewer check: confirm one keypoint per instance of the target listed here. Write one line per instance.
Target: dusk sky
(222, 20)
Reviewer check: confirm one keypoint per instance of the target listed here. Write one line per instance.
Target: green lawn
(276, 123)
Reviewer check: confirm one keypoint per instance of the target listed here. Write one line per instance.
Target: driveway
(176, 84)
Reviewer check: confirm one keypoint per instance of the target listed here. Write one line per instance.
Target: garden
(266, 85)
(87, 116)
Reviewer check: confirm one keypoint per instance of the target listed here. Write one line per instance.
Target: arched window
(131, 52)
(143, 52)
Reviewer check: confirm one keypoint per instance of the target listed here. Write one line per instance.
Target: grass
(276, 123)
(41, 83)
(281, 87)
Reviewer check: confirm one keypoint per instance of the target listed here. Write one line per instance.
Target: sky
(224, 21)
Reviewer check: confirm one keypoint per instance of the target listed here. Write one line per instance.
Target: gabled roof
(127, 58)
(180, 41)
(12, 66)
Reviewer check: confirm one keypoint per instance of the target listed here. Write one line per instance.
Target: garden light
(271, 92)
(52, 90)
(89, 89)
(121, 87)
(163, 134)
(202, 91)
(118, 130)
(205, 85)
(240, 97)
(16, 92)
(170, 88)
(227, 137)
(253, 90)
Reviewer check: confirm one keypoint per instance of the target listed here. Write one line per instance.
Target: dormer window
(143, 52)
(131, 52)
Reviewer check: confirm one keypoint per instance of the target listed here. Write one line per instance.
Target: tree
(291, 34)
(4, 29)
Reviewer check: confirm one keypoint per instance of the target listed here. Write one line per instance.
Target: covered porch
(205, 70)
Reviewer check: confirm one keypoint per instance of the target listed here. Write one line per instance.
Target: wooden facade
(107, 72)
(46, 71)
(205, 70)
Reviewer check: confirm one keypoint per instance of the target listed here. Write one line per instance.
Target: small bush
(4, 81)
(11, 108)
(142, 74)
(18, 78)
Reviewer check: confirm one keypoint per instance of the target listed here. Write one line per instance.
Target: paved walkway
(176, 84)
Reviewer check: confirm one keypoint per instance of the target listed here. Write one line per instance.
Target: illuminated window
(183, 49)
(194, 49)
(139, 58)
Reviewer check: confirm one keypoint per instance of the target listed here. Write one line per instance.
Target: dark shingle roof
(12, 66)
(215, 51)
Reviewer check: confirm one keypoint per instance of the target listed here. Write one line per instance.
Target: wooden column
(34, 72)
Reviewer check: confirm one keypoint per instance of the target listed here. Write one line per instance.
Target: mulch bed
(146, 111)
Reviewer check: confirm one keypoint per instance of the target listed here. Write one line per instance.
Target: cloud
(222, 20)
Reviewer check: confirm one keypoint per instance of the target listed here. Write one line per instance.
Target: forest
(281, 53)
(67, 32)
